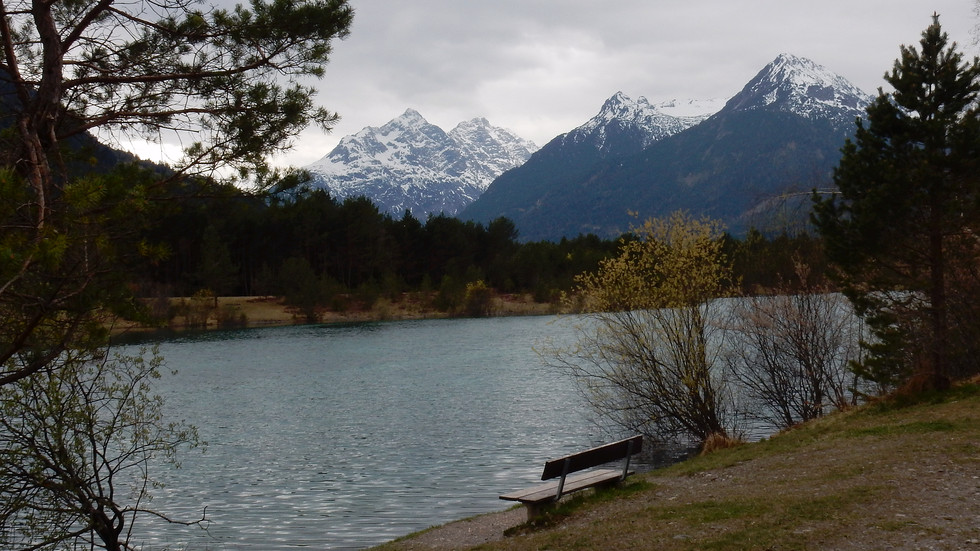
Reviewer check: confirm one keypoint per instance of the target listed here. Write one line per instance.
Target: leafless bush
(792, 354)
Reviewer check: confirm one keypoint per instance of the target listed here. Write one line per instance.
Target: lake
(343, 437)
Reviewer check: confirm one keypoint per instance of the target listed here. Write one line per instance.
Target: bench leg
(534, 510)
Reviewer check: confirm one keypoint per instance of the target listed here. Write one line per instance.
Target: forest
(320, 252)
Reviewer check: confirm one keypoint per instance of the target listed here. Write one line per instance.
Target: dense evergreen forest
(313, 248)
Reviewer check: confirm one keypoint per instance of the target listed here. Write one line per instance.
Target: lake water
(343, 437)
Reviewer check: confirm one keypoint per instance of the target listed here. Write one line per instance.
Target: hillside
(728, 168)
(751, 164)
(536, 194)
(874, 478)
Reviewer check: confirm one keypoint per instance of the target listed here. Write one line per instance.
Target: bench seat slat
(546, 492)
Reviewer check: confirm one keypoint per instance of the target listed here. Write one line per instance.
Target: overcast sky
(542, 67)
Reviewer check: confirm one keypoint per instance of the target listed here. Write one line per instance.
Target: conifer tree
(228, 82)
(902, 231)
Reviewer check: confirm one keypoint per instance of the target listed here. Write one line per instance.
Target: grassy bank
(886, 476)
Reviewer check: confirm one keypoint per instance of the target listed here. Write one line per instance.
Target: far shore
(272, 311)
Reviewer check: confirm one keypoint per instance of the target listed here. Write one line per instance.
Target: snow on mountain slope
(697, 108)
(782, 133)
(488, 151)
(637, 122)
(799, 85)
(411, 164)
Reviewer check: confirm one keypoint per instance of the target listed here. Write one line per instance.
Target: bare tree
(76, 448)
(793, 353)
(647, 352)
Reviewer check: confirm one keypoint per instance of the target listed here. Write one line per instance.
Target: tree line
(319, 251)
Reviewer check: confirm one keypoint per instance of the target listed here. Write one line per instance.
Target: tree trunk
(936, 371)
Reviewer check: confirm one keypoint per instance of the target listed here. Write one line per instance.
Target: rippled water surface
(329, 437)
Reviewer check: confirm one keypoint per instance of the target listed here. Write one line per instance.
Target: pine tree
(902, 231)
(230, 84)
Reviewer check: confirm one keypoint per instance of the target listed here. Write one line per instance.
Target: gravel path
(465, 533)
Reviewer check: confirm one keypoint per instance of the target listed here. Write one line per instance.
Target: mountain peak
(799, 85)
(410, 119)
(472, 124)
(616, 101)
(621, 106)
(409, 163)
(802, 72)
(624, 124)
(411, 115)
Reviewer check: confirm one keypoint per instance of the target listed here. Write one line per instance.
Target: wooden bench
(540, 497)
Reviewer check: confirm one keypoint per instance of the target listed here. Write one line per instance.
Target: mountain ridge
(781, 134)
(623, 127)
(411, 164)
(731, 159)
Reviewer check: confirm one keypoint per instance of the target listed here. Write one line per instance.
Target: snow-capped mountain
(624, 124)
(798, 85)
(487, 151)
(411, 164)
(622, 127)
(778, 138)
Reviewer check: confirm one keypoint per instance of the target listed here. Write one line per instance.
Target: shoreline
(242, 312)
(902, 476)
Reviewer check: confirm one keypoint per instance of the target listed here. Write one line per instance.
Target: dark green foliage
(902, 231)
(363, 254)
(302, 288)
(61, 281)
(763, 264)
(218, 273)
(351, 244)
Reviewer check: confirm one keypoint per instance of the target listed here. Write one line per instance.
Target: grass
(885, 475)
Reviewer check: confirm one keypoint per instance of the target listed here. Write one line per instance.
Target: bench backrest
(592, 458)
